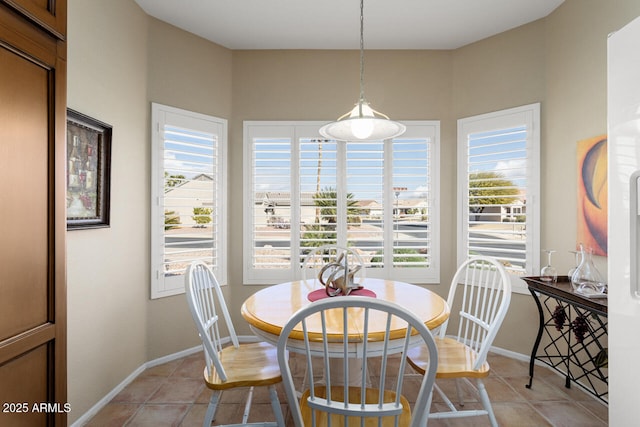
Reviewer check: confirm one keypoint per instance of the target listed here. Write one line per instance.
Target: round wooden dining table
(268, 310)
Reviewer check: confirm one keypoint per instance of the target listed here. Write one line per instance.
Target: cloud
(420, 192)
(179, 166)
(513, 169)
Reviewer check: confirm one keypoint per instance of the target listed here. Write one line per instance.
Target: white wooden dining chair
(484, 290)
(233, 366)
(319, 256)
(321, 327)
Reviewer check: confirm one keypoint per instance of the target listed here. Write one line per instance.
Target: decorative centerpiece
(337, 277)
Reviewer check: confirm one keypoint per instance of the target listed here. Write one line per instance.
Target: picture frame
(88, 171)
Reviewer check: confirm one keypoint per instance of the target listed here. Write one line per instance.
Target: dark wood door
(32, 214)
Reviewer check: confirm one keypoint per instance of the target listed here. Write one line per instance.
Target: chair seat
(455, 360)
(252, 364)
(337, 394)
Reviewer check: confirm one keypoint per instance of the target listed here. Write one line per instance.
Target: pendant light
(362, 123)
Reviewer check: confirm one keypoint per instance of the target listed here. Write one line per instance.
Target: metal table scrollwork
(572, 335)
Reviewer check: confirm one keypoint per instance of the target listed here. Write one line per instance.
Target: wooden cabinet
(50, 15)
(32, 213)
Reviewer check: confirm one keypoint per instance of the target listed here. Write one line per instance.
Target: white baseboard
(510, 354)
(107, 398)
(117, 389)
(159, 361)
(172, 357)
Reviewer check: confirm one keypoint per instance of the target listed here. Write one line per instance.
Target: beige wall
(559, 61)
(120, 60)
(321, 85)
(186, 72)
(107, 271)
(501, 72)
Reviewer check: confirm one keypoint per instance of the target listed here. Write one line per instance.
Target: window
(188, 193)
(498, 188)
(379, 198)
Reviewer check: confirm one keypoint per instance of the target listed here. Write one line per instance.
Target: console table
(575, 335)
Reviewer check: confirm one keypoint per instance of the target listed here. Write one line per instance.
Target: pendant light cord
(361, 56)
(362, 123)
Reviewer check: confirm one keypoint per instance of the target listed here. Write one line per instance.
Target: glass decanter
(548, 273)
(573, 269)
(587, 279)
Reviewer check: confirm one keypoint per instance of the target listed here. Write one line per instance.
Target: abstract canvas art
(592, 194)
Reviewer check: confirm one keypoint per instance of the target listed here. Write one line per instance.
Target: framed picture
(88, 171)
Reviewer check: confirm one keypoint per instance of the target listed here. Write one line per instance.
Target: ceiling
(335, 24)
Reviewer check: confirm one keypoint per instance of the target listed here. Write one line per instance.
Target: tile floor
(173, 394)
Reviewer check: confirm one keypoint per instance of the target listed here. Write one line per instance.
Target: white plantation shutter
(499, 188)
(416, 203)
(268, 209)
(365, 181)
(305, 191)
(188, 184)
(272, 169)
(318, 166)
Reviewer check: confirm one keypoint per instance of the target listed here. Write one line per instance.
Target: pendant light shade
(362, 123)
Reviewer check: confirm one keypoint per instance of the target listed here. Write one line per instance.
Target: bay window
(378, 198)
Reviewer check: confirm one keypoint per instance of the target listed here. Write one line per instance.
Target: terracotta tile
(479, 421)
(236, 395)
(261, 412)
(519, 384)
(139, 390)
(568, 414)
(191, 367)
(501, 391)
(204, 396)
(597, 408)
(539, 391)
(574, 392)
(159, 416)
(411, 387)
(163, 370)
(543, 371)
(518, 414)
(507, 367)
(174, 394)
(437, 423)
(260, 395)
(229, 414)
(113, 415)
(448, 386)
(178, 390)
(507, 414)
(195, 416)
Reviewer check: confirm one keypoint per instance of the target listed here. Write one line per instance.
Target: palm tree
(327, 201)
(323, 231)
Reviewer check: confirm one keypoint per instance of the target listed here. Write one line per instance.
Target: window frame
(528, 115)
(297, 130)
(162, 115)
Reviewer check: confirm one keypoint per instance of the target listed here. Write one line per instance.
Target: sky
(503, 151)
